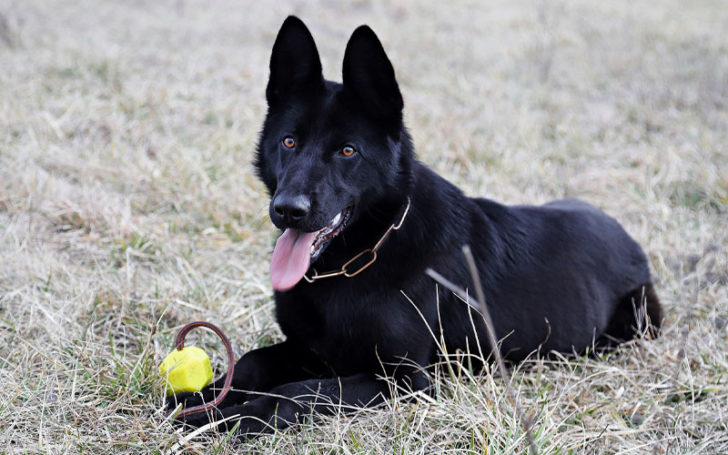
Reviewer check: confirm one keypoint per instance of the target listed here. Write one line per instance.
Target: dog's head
(327, 151)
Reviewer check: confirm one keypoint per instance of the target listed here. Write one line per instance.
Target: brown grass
(128, 207)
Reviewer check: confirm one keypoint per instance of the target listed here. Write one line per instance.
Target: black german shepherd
(362, 219)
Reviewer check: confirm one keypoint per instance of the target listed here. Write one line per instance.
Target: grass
(128, 207)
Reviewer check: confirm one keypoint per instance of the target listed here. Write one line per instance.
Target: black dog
(362, 219)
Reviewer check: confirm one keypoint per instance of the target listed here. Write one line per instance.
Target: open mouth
(331, 230)
(295, 250)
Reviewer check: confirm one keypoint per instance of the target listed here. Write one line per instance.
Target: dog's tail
(638, 313)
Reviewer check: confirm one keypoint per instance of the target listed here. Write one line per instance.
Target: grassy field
(128, 207)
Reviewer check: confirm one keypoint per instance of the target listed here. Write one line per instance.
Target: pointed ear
(295, 65)
(369, 75)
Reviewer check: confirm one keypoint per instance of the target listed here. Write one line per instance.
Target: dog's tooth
(336, 218)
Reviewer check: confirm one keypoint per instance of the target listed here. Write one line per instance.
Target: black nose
(291, 208)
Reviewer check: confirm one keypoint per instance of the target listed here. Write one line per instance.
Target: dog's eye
(348, 150)
(289, 142)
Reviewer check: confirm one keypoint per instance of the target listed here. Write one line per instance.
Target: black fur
(559, 277)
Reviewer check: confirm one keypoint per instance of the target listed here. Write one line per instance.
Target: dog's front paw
(186, 399)
(264, 415)
(199, 419)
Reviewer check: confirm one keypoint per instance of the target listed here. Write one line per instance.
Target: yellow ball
(188, 370)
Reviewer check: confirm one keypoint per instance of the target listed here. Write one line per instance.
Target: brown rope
(180, 343)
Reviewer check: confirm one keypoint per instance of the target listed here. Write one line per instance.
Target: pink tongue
(291, 258)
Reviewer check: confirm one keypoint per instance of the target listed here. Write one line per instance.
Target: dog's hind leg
(638, 313)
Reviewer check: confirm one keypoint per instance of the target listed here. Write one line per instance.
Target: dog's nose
(291, 208)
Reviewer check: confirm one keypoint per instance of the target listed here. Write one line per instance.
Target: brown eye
(289, 142)
(348, 150)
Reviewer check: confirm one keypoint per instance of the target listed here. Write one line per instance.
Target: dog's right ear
(295, 66)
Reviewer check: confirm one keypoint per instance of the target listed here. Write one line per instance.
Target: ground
(128, 207)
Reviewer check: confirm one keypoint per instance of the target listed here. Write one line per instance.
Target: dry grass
(128, 207)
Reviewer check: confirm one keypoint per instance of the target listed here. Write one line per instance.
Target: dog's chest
(345, 328)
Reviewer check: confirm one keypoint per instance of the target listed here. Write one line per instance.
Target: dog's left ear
(368, 74)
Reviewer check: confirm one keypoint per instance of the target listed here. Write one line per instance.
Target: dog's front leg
(290, 403)
(257, 371)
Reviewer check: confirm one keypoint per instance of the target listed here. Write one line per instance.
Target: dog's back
(564, 272)
(563, 276)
